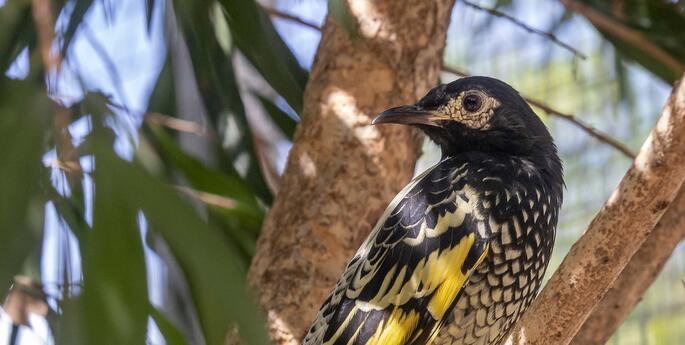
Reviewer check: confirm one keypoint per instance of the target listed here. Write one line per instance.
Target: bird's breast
(521, 230)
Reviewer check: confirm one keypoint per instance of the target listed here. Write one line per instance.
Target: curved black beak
(407, 115)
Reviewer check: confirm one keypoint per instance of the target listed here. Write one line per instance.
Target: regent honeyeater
(460, 252)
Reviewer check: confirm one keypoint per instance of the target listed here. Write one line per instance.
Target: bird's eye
(471, 103)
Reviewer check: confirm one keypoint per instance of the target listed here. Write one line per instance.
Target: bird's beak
(408, 115)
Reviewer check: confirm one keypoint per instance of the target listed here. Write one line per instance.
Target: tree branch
(625, 33)
(594, 132)
(638, 275)
(524, 26)
(614, 235)
(341, 172)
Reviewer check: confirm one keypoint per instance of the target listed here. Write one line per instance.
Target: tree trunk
(640, 273)
(616, 233)
(341, 172)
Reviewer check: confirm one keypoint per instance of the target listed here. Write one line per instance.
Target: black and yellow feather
(405, 278)
(460, 253)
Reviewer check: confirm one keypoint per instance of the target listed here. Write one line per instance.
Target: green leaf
(234, 228)
(163, 97)
(72, 212)
(212, 266)
(24, 112)
(171, 334)
(115, 286)
(662, 23)
(213, 270)
(242, 221)
(284, 121)
(202, 178)
(216, 82)
(114, 304)
(69, 326)
(256, 37)
(81, 7)
(16, 31)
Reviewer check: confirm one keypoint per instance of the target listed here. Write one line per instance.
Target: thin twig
(277, 13)
(171, 122)
(270, 174)
(549, 35)
(626, 34)
(45, 27)
(455, 71)
(597, 134)
(68, 157)
(178, 124)
(67, 154)
(601, 136)
(208, 198)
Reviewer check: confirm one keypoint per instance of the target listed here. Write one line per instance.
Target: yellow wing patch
(441, 273)
(438, 270)
(399, 327)
(451, 276)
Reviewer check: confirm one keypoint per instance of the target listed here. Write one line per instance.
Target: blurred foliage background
(141, 143)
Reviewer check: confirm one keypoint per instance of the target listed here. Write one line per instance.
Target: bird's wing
(407, 275)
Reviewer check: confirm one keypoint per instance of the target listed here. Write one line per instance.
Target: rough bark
(341, 172)
(614, 235)
(639, 274)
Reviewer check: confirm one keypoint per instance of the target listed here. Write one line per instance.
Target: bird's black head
(479, 114)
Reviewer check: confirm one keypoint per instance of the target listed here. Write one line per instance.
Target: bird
(460, 253)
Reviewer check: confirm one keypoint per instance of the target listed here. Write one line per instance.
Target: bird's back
(468, 240)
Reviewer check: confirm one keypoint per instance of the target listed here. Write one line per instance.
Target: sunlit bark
(640, 273)
(342, 172)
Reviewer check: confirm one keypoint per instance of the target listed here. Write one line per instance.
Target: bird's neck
(547, 166)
